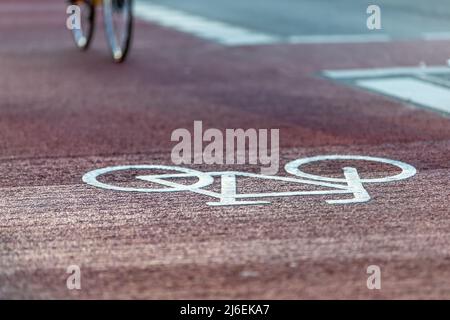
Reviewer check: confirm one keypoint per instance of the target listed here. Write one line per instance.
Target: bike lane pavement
(64, 113)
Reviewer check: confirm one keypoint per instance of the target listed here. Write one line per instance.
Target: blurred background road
(403, 19)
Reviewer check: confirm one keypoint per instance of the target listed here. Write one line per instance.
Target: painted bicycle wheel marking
(350, 184)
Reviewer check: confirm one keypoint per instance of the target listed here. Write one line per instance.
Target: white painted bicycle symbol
(350, 184)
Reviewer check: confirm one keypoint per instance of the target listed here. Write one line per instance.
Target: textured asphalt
(64, 113)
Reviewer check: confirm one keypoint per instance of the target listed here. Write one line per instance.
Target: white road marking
(352, 183)
(339, 38)
(425, 86)
(385, 72)
(232, 35)
(223, 33)
(413, 90)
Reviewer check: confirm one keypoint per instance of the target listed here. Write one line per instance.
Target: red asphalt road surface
(64, 113)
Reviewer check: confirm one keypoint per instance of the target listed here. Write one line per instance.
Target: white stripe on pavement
(202, 27)
(340, 38)
(231, 35)
(411, 90)
(385, 72)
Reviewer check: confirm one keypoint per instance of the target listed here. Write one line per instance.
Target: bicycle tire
(119, 46)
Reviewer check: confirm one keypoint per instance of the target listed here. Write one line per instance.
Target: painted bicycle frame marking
(350, 184)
